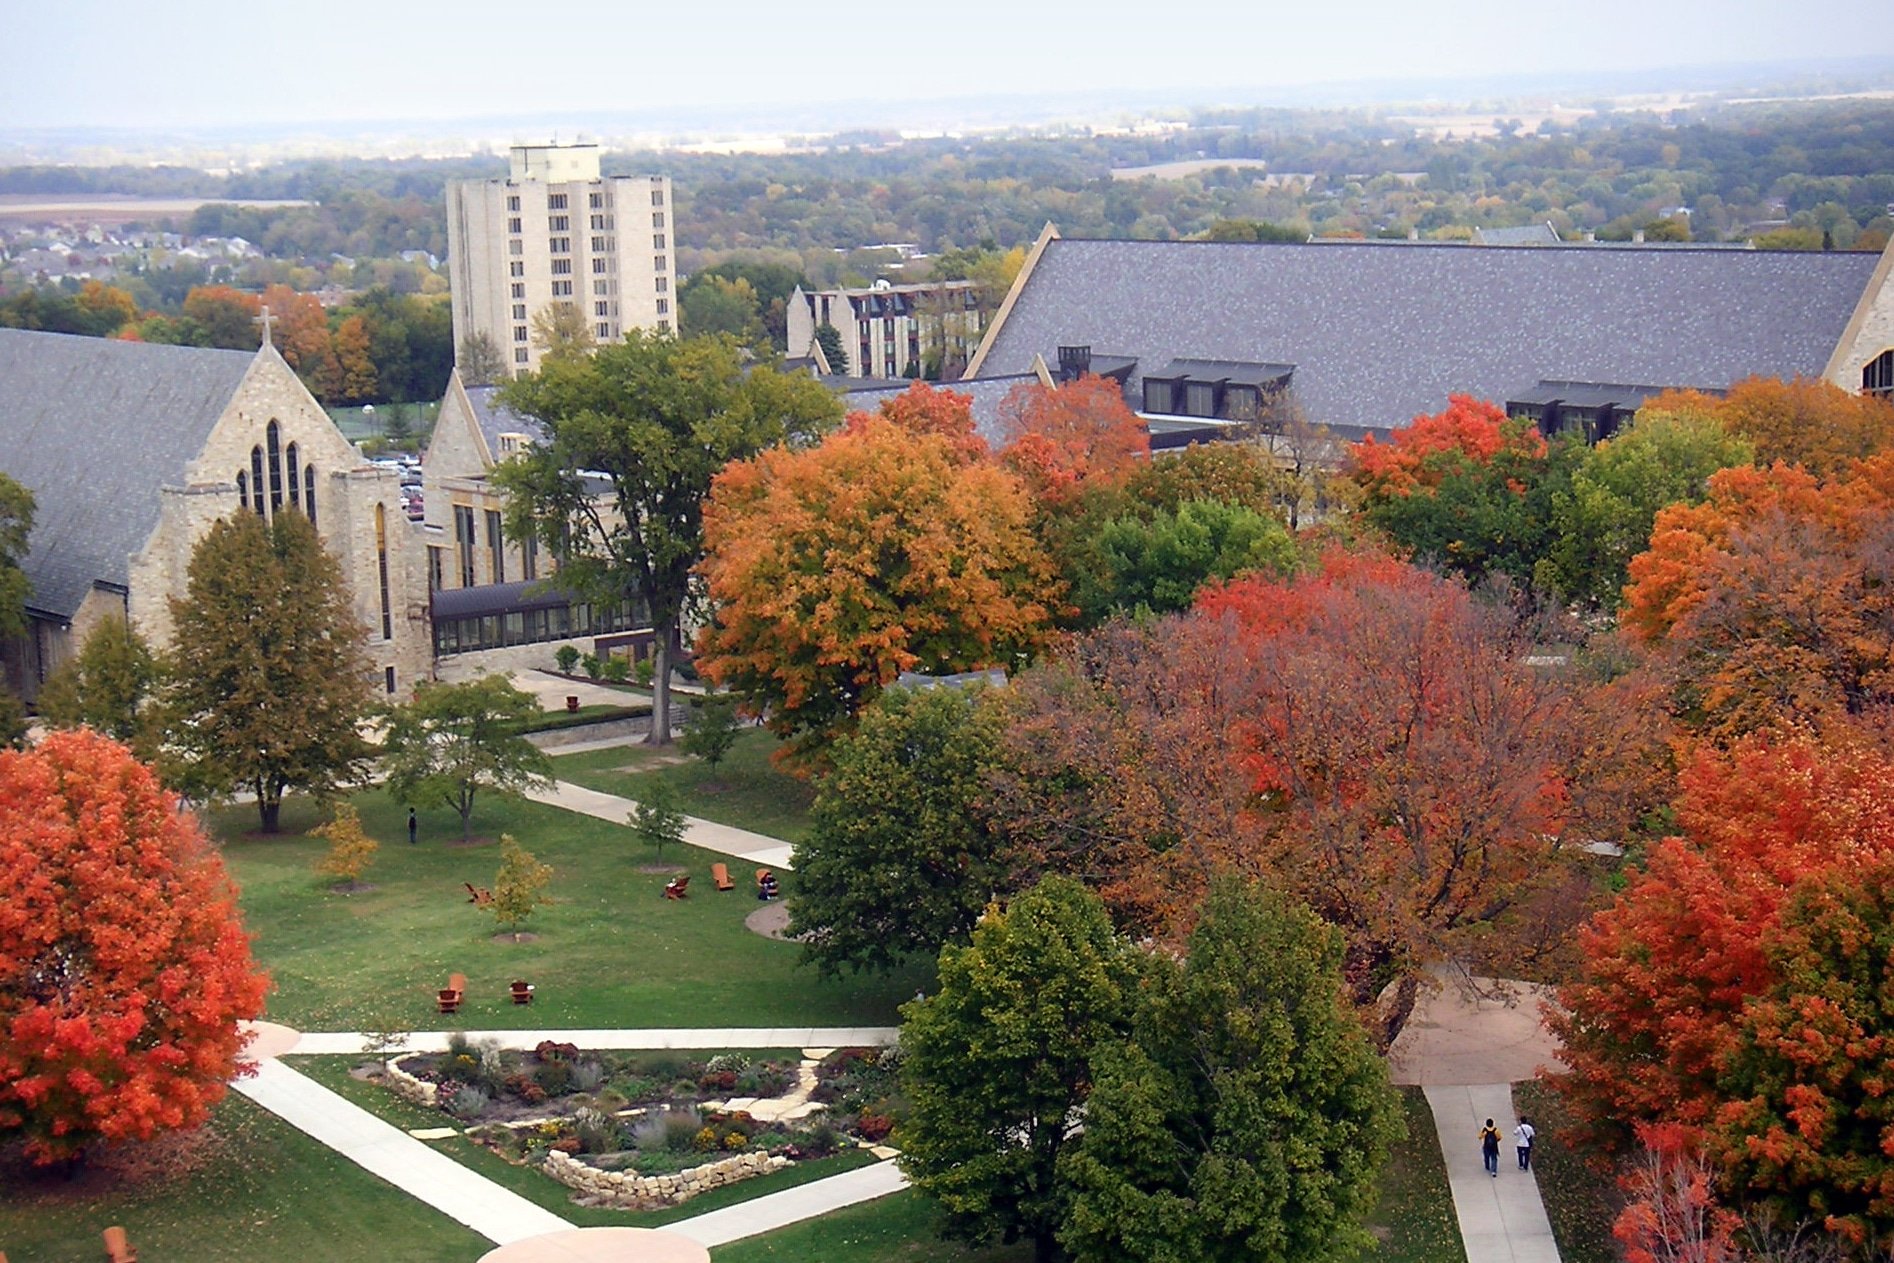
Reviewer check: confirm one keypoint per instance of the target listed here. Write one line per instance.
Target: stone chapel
(132, 450)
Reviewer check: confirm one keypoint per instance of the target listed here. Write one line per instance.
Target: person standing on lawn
(412, 826)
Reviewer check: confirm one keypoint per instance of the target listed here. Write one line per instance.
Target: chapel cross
(264, 320)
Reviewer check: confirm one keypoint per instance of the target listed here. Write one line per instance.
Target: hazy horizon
(214, 65)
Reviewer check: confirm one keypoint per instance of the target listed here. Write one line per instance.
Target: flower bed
(639, 1130)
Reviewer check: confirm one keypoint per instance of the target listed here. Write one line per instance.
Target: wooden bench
(522, 993)
(720, 873)
(676, 888)
(478, 895)
(117, 1248)
(453, 993)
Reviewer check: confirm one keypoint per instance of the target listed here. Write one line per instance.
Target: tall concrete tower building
(554, 232)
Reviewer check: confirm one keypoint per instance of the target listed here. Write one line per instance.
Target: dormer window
(512, 444)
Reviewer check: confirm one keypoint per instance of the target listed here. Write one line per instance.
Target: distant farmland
(53, 208)
(1180, 170)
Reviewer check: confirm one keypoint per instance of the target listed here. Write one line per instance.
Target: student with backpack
(1489, 1148)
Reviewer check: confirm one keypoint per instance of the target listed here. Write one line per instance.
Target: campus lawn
(745, 791)
(1581, 1200)
(610, 953)
(1414, 1222)
(333, 1072)
(256, 1188)
(898, 1228)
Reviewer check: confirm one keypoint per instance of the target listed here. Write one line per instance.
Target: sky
(219, 63)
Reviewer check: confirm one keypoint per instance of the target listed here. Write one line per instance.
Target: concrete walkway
(498, 1214)
(1502, 1220)
(792, 1205)
(752, 848)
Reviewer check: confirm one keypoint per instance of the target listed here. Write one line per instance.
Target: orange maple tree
(924, 409)
(1771, 596)
(1062, 438)
(835, 568)
(1669, 966)
(124, 968)
(1421, 453)
(1814, 424)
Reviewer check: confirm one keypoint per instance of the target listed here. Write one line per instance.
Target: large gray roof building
(1370, 338)
(93, 429)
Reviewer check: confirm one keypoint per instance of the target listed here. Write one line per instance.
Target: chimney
(1074, 362)
(1637, 237)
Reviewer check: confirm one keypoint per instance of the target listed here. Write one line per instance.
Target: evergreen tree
(1247, 1118)
(268, 682)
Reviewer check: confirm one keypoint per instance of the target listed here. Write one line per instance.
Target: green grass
(745, 791)
(1414, 1221)
(1581, 1200)
(585, 716)
(899, 1228)
(333, 1072)
(258, 1189)
(612, 952)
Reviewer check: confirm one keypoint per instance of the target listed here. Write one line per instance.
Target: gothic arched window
(381, 561)
(295, 477)
(243, 489)
(273, 436)
(256, 480)
(309, 491)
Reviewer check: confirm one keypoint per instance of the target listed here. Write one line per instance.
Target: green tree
(715, 304)
(1247, 1117)
(455, 740)
(1603, 519)
(16, 525)
(12, 721)
(998, 1062)
(897, 862)
(519, 886)
(479, 360)
(561, 331)
(714, 728)
(268, 684)
(656, 418)
(829, 338)
(1157, 560)
(656, 816)
(106, 686)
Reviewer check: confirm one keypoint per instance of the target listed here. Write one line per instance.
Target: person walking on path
(412, 826)
(1522, 1139)
(1489, 1148)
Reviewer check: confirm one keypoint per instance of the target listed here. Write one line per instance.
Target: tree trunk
(270, 811)
(1045, 1248)
(661, 683)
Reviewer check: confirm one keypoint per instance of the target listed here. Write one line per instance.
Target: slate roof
(94, 428)
(987, 391)
(1540, 234)
(1380, 336)
(495, 420)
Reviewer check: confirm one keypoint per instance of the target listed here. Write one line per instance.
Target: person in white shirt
(1522, 1138)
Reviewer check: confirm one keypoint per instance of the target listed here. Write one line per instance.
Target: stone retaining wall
(629, 1189)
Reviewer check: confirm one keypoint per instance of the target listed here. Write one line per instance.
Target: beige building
(131, 451)
(555, 233)
(494, 606)
(889, 330)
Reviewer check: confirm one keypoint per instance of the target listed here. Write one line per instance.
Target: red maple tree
(1061, 438)
(924, 409)
(1417, 455)
(124, 968)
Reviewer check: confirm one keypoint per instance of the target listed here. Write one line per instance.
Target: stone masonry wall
(1873, 335)
(628, 1188)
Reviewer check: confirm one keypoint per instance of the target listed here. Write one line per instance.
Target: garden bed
(649, 1129)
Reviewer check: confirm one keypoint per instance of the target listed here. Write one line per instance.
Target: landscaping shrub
(526, 1088)
(567, 656)
(547, 1050)
(718, 1081)
(467, 1101)
(680, 1129)
(597, 1132)
(727, 1061)
(705, 1140)
(591, 664)
(617, 670)
(554, 1077)
(587, 1076)
(735, 1140)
